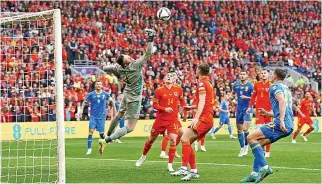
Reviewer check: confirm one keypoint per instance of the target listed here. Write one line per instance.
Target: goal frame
(60, 133)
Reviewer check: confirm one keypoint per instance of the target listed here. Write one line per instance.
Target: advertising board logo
(16, 131)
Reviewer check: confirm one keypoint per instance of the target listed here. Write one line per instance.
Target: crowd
(226, 35)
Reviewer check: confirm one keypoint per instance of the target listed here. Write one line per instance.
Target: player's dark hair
(120, 60)
(265, 69)
(280, 73)
(204, 69)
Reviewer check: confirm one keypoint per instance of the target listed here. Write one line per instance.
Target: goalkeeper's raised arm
(126, 61)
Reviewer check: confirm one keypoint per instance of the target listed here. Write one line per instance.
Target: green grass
(291, 163)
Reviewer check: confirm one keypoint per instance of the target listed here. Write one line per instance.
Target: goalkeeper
(131, 71)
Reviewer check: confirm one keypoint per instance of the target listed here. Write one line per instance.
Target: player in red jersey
(166, 102)
(200, 139)
(201, 124)
(304, 110)
(260, 98)
(165, 139)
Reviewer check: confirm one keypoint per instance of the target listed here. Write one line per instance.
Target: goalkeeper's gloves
(151, 33)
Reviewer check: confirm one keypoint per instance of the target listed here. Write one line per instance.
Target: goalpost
(31, 98)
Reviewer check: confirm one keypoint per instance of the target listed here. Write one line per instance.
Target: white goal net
(31, 98)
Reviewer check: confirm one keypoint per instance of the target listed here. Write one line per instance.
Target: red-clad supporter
(227, 35)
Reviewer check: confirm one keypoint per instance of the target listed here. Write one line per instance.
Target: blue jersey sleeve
(89, 97)
(107, 95)
(235, 86)
(275, 90)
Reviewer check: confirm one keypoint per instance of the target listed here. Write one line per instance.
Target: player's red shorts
(305, 120)
(204, 124)
(160, 126)
(263, 119)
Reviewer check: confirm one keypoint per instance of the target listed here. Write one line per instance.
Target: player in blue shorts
(98, 99)
(122, 120)
(224, 116)
(282, 126)
(243, 90)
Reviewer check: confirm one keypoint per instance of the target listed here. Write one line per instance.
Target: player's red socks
(192, 161)
(186, 151)
(308, 131)
(147, 146)
(295, 134)
(164, 143)
(178, 140)
(202, 140)
(172, 152)
(268, 148)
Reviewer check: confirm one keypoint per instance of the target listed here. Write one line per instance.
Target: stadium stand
(226, 35)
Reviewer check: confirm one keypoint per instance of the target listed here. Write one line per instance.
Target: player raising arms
(131, 71)
(201, 124)
(224, 116)
(260, 98)
(304, 110)
(166, 102)
(243, 90)
(98, 99)
(282, 126)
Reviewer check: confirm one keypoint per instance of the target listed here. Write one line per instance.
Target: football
(164, 14)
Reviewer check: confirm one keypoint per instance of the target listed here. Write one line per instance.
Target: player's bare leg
(164, 145)
(256, 140)
(115, 122)
(147, 146)
(188, 137)
(172, 150)
(311, 128)
(180, 133)
(267, 146)
(241, 139)
(246, 133)
(89, 141)
(296, 132)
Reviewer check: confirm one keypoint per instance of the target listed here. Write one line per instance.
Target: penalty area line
(202, 163)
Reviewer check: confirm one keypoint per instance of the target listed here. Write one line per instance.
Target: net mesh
(27, 98)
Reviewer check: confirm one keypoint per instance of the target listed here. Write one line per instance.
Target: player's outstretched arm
(111, 68)
(149, 50)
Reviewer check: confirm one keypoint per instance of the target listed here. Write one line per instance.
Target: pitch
(300, 163)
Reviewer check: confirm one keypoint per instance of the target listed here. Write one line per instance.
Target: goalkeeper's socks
(108, 139)
(102, 135)
(89, 141)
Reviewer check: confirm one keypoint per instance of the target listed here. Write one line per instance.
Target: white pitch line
(155, 161)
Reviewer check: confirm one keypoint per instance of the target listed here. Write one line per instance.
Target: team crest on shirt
(246, 88)
(103, 96)
(267, 89)
(175, 94)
